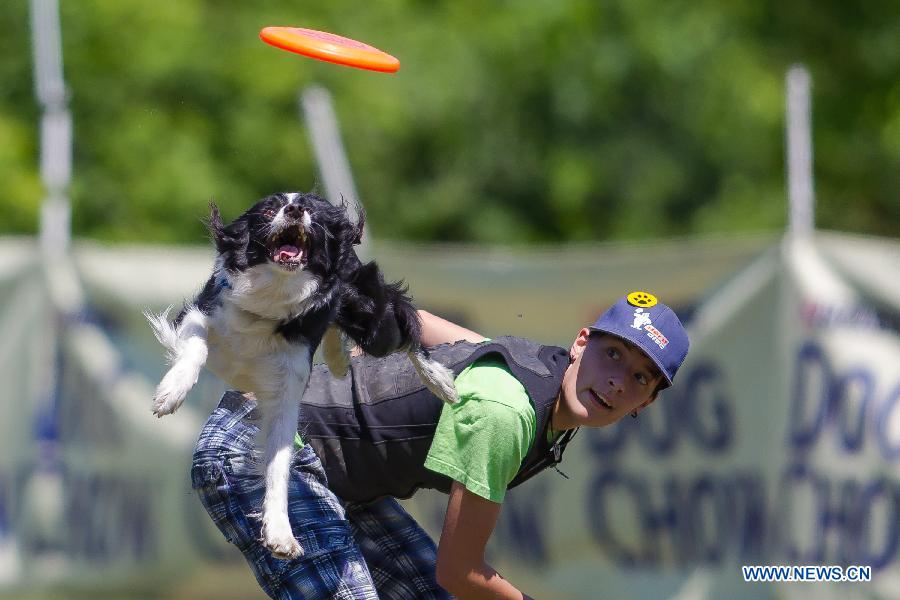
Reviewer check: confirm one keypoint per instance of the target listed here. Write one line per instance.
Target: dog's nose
(292, 211)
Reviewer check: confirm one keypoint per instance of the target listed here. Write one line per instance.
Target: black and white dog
(285, 277)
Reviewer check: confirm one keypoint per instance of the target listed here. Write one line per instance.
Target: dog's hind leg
(436, 377)
(337, 355)
(187, 351)
(277, 535)
(282, 414)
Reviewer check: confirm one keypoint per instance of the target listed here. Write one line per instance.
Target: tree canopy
(508, 122)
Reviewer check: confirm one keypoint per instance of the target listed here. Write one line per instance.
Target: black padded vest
(372, 429)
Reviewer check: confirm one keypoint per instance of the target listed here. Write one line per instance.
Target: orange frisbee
(329, 47)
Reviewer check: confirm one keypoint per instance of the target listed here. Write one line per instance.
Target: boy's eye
(612, 353)
(641, 378)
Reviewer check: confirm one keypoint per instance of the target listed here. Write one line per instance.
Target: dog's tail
(165, 332)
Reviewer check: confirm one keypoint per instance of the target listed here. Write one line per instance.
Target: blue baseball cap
(643, 320)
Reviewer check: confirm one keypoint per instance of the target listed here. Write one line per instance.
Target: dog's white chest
(246, 351)
(272, 293)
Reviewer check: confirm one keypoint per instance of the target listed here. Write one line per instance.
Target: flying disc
(330, 48)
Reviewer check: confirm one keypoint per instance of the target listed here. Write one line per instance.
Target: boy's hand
(461, 569)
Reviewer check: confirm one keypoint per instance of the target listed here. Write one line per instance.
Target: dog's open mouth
(288, 248)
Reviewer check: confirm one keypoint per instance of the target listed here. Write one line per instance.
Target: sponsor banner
(779, 444)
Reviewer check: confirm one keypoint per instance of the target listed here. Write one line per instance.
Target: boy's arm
(436, 330)
(461, 569)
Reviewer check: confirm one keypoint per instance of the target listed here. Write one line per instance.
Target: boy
(378, 434)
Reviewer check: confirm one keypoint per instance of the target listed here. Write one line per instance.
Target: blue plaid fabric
(401, 557)
(362, 552)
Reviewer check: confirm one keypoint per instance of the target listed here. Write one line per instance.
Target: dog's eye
(269, 213)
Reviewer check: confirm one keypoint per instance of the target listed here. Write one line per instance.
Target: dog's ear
(360, 219)
(356, 232)
(214, 222)
(227, 237)
(360, 223)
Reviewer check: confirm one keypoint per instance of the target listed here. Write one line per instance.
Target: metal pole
(56, 126)
(45, 487)
(318, 112)
(801, 195)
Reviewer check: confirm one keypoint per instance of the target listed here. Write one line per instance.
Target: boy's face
(608, 379)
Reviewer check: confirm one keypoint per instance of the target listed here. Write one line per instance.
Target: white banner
(780, 443)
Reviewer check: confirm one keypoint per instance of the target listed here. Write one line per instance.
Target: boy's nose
(615, 384)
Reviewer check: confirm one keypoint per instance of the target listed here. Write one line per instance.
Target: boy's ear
(580, 342)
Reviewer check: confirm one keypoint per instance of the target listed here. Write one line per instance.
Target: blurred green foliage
(509, 122)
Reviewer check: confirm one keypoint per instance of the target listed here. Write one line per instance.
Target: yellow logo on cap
(642, 299)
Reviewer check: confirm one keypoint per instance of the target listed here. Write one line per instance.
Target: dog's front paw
(445, 391)
(278, 538)
(165, 404)
(437, 378)
(171, 392)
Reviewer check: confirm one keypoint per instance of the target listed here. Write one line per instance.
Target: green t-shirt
(481, 440)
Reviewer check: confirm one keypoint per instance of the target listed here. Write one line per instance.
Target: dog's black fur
(378, 316)
(286, 270)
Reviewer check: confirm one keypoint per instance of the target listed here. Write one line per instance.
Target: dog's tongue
(287, 252)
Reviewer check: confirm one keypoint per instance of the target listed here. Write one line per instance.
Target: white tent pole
(87, 344)
(318, 112)
(801, 195)
(56, 127)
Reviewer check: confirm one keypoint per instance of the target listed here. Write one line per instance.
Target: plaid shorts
(356, 552)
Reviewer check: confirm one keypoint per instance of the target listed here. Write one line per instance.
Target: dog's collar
(222, 284)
